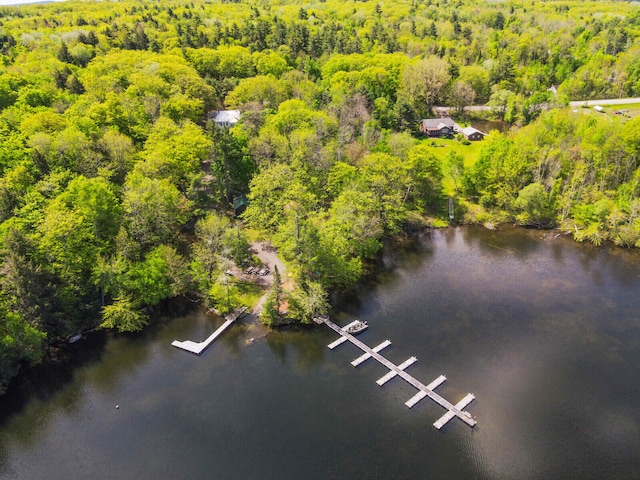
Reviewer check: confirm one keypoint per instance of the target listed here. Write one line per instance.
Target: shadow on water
(233, 338)
(406, 254)
(42, 383)
(307, 349)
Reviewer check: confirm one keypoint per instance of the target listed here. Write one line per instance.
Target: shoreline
(69, 356)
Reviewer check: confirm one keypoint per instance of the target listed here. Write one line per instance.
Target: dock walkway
(199, 347)
(424, 390)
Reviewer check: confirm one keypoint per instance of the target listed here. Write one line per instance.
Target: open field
(633, 109)
(442, 148)
(629, 110)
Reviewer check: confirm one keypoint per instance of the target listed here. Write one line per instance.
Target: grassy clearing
(246, 293)
(442, 147)
(634, 109)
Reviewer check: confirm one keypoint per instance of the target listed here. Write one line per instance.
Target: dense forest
(116, 186)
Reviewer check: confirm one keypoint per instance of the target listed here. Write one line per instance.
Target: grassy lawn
(633, 109)
(247, 293)
(442, 147)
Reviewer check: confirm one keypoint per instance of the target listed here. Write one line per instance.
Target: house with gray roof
(439, 127)
(473, 134)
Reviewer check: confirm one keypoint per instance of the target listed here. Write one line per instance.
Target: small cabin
(240, 204)
(473, 134)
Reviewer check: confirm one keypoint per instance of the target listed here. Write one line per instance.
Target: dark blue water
(545, 333)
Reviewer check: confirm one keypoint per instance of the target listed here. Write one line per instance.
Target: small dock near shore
(453, 411)
(199, 347)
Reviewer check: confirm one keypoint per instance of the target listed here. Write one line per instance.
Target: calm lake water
(545, 333)
(487, 126)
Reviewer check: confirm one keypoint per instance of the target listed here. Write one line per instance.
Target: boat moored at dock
(399, 371)
(356, 327)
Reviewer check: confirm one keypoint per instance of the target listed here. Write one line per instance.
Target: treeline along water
(543, 331)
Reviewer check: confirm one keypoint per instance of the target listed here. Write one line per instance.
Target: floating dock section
(392, 373)
(424, 391)
(449, 415)
(366, 356)
(340, 340)
(199, 347)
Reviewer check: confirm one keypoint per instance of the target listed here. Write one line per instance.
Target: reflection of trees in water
(308, 347)
(278, 346)
(623, 264)
(406, 254)
(234, 337)
(40, 391)
(100, 360)
(505, 240)
(124, 353)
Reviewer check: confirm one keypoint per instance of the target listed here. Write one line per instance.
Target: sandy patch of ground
(269, 257)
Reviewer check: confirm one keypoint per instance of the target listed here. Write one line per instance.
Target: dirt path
(267, 255)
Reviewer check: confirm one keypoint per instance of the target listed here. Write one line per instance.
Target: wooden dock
(199, 347)
(399, 370)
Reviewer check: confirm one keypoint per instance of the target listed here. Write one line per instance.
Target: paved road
(611, 101)
(579, 103)
(470, 108)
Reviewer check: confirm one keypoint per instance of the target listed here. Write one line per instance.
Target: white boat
(75, 338)
(357, 327)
